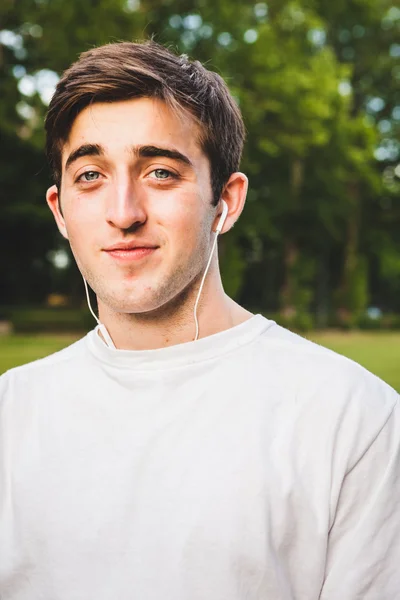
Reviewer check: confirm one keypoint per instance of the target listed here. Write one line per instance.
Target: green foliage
(368, 323)
(301, 321)
(42, 320)
(316, 82)
(357, 300)
(390, 321)
(232, 266)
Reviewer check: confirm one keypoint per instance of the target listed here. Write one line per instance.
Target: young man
(145, 463)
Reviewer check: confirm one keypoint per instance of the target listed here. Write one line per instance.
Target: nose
(125, 206)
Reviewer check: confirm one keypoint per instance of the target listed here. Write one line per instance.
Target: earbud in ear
(223, 217)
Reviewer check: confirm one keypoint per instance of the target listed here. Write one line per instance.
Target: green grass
(19, 349)
(379, 352)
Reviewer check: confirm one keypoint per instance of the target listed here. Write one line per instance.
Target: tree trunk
(290, 247)
(349, 303)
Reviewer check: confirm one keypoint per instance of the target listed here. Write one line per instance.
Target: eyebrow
(84, 150)
(154, 151)
(140, 151)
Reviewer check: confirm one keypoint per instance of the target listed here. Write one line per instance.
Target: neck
(174, 322)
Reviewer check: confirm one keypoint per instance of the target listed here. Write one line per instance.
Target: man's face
(136, 203)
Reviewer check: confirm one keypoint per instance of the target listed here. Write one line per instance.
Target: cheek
(185, 214)
(78, 232)
(187, 232)
(83, 211)
(194, 244)
(82, 242)
(83, 221)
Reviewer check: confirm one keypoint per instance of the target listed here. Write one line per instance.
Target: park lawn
(17, 350)
(379, 352)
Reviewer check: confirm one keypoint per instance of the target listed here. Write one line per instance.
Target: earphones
(102, 328)
(217, 232)
(222, 217)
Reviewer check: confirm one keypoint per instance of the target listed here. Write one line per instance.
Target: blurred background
(318, 246)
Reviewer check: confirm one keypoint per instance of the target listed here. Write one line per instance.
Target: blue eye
(162, 173)
(89, 176)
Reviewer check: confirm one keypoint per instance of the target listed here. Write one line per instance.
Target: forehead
(117, 126)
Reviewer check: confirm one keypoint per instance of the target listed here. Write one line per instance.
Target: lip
(130, 251)
(130, 246)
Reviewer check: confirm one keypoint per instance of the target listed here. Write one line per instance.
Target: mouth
(130, 252)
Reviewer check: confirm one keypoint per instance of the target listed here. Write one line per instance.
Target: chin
(126, 306)
(155, 304)
(127, 302)
(146, 296)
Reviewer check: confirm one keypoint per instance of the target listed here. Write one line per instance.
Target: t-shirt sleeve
(363, 556)
(4, 380)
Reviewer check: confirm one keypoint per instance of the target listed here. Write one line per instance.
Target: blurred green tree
(316, 82)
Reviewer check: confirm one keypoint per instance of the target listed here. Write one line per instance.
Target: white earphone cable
(217, 232)
(201, 287)
(102, 328)
(88, 301)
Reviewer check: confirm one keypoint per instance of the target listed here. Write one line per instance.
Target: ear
(53, 201)
(234, 194)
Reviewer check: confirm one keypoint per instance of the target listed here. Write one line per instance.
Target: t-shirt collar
(180, 354)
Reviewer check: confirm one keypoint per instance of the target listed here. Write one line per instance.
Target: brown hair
(126, 70)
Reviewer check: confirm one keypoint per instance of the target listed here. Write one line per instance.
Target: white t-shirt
(249, 465)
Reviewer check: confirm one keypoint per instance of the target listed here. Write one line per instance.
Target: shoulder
(41, 370)
(328, 399)
(309, 370)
